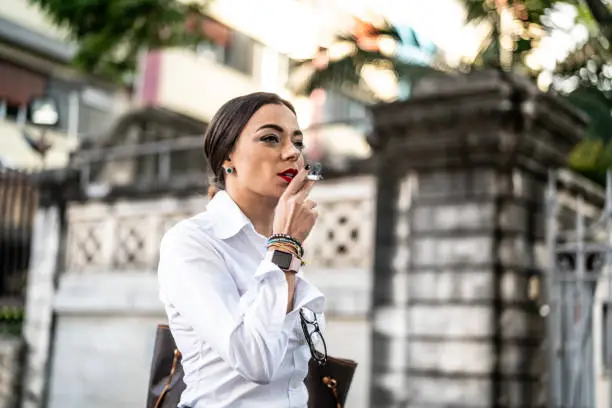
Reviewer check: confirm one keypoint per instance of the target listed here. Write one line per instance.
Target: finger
(296, 184)
(310, 204)
(301, 195)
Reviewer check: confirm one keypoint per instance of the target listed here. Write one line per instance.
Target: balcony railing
(125, 235)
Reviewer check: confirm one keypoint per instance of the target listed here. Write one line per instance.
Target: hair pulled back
(225, 128)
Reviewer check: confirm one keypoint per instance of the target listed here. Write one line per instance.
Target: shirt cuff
(267, 269)
(307, 296)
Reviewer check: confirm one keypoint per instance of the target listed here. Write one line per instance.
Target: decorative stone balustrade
(125, 235)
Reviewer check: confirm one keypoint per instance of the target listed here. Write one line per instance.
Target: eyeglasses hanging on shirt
(329, 378)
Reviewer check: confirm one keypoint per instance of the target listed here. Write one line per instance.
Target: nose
(290, 152)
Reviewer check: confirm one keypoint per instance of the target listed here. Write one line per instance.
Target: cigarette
(314, 177)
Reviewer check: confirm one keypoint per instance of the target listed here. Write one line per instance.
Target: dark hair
(226, 126)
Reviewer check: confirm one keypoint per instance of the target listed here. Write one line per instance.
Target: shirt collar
(228, 219)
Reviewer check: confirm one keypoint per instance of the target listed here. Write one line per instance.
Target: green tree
(111, 33)
(507, 46)
(586, 69)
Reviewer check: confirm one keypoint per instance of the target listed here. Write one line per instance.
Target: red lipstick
(288, 174)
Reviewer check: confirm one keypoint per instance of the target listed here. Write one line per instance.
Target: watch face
(282, 259)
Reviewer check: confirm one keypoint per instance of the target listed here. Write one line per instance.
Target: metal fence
(579, 289)
(18, 202)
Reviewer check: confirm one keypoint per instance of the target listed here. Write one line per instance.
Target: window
(18, 85)
(239, 53)
(212, 51)
(228, 47)
(10, 111)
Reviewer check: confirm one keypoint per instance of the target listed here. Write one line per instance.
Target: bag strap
(328, 381)
(177, 355)
(332, 384)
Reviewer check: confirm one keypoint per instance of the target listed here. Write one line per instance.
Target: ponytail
(212, 190)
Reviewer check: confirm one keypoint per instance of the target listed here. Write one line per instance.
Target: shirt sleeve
(250, 332)
(307, 295)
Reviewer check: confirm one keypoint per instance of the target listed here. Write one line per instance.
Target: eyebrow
(278, 129)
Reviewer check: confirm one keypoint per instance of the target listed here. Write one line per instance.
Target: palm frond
(339, 73)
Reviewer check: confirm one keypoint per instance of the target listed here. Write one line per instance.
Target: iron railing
(579, 286)
(18, 201)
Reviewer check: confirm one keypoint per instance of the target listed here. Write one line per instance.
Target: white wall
(350, 338)
(197, 86)
(15, 151)
(102, 361)
(104, 341)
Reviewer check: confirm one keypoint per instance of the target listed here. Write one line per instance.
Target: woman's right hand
(295, 214)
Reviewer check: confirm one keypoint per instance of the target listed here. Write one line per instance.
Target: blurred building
(35, 62)
(252, 47)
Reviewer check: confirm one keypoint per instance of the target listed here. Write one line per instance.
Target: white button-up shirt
(227, 310)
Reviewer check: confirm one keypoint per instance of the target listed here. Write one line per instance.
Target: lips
(288, 174)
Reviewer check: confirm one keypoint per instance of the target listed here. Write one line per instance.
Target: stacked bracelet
(286, 241)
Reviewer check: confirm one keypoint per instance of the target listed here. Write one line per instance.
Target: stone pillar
(48, 242)
(461, 170)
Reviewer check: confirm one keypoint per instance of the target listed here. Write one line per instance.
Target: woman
(228, 276)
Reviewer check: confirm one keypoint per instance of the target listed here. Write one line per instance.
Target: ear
(227, 163)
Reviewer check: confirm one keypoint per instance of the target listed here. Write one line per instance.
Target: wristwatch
(284, 260)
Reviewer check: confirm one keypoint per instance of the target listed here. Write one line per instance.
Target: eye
(299, 144)
(271, 138)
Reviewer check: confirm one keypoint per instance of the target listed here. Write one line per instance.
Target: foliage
(341, 64)
(525, 33)
(587, 67)
(111, 33)
(11, 320)
(593, 155)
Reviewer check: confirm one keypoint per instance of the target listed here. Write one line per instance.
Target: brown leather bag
(166, 378)
(328, 380)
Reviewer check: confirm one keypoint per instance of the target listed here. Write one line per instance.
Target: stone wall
(11, 352)
(38, 323)
(106, 306)
(103, 342)
(462, 171)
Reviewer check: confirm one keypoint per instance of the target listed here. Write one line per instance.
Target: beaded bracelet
(298, 248)
(287, 239)
(286, 245)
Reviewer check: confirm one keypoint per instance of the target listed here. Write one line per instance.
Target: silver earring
(229, 170)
